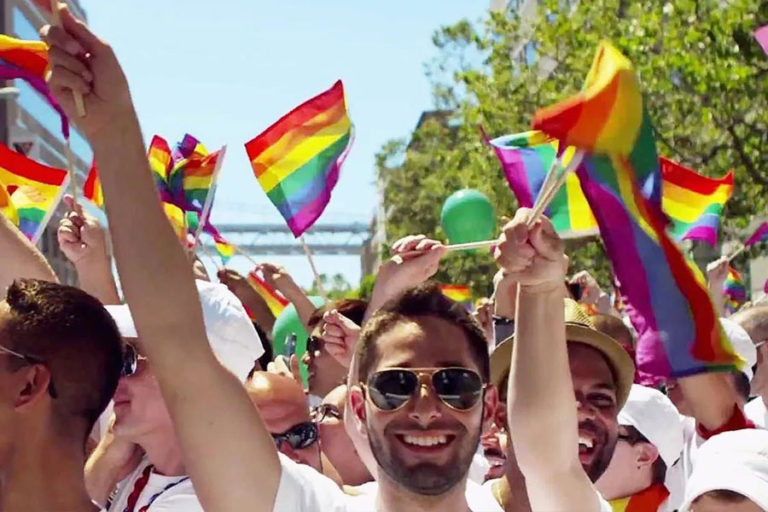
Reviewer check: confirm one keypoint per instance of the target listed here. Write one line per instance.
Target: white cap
(732, 461)
(230, 331)
(742, 344)
(656, 418)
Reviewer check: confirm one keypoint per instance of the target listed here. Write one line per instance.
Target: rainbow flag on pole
(733, 287)
(526, 159)
(297, 160)
(679, 330)
(760, 235)
(28, 61)
(92, 187)
(191, 178)
(274, 299)
(34, 189)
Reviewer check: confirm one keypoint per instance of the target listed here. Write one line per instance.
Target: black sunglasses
(131, 360)
(458, 388)
(313, 345)
(298, 436)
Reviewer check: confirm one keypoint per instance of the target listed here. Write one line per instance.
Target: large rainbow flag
(34, 189)
(28, 61)
(679, 330)
(297, 160)
(274, 299)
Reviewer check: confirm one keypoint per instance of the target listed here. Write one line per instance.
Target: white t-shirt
(756, 412)
(165, 493)
(302, 489)
(604, 505)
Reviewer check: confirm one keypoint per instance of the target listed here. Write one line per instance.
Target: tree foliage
(704, 77)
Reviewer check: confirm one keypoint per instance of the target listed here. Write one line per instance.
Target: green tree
(703, 75)
(337, 287)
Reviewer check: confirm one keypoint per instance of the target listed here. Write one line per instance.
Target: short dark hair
(74, 336)
(724, 495)
(424, 300)
(354, 309)
(659, 467)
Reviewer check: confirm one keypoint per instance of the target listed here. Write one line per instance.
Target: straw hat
(579, 328)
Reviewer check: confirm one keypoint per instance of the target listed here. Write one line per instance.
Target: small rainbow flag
(28, 61)
(526, 159)
(193, 175)
(457, 293)
(693, 202)
(760, 235)
(679, 330)
(734, 288)
(274, 299)
(177, 219)
(35, 190)
(160, 162)
(92, 187)
(225, 250)
(297, 160)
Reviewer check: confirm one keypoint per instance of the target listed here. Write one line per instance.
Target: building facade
(30, 126)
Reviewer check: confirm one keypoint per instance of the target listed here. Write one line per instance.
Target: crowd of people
(169, 398)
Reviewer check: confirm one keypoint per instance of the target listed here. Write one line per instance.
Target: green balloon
(288, 323)
(468, 216)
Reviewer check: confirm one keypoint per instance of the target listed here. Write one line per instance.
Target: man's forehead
(590, 366)
(423, 342)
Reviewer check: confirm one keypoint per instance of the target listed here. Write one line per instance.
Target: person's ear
(32, 384)
(645, 454)
(357, 403)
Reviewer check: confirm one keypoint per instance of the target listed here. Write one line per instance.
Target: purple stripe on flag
(761, 35)
(760, 235)
(706, 234)
(11, 72)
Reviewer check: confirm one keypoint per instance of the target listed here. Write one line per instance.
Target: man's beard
(426, 479)
(603, 457)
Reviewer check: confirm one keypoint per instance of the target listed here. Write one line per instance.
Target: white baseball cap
(742, 344)
(734, 461)
(230, 331)
(656, 418)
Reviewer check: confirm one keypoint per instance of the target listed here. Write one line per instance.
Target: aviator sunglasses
(458, 388)
(298, 436)
(131, 359)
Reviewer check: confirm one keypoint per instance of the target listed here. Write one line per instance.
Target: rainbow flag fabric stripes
(160, 162)
(734, 290)
(191, 178)
(526, 159)
(34, 189)
(297, 160)
(92, 187)
(225, 250)
(28, 61)
(679, 330)
(274, 299)
(457, 293)
(760, 235)
(694, 203)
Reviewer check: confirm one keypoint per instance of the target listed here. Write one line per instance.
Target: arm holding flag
(205, 400)
(252, 301)
(20, 257)
(278, 278)
(717, 271)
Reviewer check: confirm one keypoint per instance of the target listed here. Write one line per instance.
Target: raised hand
(717, 271)
(591, 290)
(232, 280)
(82, 62)
(340, 335)
(532, 256)
(276, 276)
(82, 238)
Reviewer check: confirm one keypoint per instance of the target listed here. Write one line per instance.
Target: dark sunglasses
(458, 388)
(131, 360)
(30, 360)
(298, 436)
(313, 345)
(323, 411)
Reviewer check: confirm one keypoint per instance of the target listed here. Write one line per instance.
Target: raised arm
(541, 404)
(278, 278)
(84, 242)
(717, 272)
(227, 450)
(19, 257)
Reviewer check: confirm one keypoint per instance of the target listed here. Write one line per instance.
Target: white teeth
(425, 440)
(586, 442)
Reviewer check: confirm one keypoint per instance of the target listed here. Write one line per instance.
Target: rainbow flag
(28, 61)
(693, 202)
(193, 175)
(760, 235)
(457, 293)
(34, 189)
(177, 219)
(526, 159)
(297, 160)
(7, 208)
(92, 187)
(160, 162)
(225, 250)
(679, 330)
(274, 299)
(734, 289)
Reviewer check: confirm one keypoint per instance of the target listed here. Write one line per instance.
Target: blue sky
(225, 70)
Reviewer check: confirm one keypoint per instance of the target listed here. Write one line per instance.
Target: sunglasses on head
(458, 388)
(131, 359)
(323, 411)
(298, 436)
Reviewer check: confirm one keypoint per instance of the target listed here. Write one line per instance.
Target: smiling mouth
(586, 446)
(425, 443)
